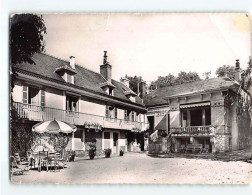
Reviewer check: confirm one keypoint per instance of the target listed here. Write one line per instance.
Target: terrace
(39, 113)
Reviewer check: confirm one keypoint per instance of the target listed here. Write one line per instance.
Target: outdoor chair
(17, 169)
(20, 160)
(63, 159)
(43, 160)
(53, 161)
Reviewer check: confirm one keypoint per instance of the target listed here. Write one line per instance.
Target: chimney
(106, 68)
(125, 81)
(237, 71)
(142, 89)
(72, 62)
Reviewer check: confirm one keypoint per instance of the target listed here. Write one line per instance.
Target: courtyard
(135, 168)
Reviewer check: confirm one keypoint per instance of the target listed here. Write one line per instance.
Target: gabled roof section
(90, 80)
(107, 84)
(158, 96)
(65, 68)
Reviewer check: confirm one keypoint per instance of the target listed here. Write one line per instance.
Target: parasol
(54, 126)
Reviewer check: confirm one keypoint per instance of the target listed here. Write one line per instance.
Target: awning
(195, 105)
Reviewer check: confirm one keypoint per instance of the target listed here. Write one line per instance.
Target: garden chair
(43, 160)
(17, 169)
(63, 159)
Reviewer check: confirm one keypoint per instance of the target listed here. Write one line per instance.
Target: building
(104, 110)
(213, 112)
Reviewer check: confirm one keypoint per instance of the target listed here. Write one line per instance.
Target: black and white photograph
(130, 98)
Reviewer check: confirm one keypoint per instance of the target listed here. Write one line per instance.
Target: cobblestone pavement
(141, 168)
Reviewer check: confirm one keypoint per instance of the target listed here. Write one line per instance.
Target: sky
(150, 45)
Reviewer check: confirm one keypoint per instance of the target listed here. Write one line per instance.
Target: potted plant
(107, 153)
(121, 152)
(92, 151)
(72, 155)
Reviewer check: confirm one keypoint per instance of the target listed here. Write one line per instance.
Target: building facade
(213, 112)
(104, 110)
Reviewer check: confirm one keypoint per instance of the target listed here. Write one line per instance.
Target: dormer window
(69, 78)
(111, 91)
(108, 87)
(67, 71)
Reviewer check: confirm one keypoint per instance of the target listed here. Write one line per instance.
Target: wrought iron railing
(38, 113)
(193, 130)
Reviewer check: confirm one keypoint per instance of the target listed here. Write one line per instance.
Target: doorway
(115, 143)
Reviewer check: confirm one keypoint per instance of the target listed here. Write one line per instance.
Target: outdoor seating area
(42, 160)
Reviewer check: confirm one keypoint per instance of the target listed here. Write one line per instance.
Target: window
(127, 114)
(196, 117)
(132, 116)
(111, 112)
(69, 78)
(72, 105)
(33, 95)
(110, 91)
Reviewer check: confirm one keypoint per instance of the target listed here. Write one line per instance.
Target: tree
(184, 77)
(207, 75)
(170, 80)
(226, 70)
(134, 83)
(26, 37)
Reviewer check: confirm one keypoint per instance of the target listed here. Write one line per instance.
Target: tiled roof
(46, 66)
(155, 97)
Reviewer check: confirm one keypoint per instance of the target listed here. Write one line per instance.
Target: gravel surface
(135, 168)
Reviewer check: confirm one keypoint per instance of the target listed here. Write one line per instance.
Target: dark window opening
(151, 122)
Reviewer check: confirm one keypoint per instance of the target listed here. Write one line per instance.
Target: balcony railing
(38, 113)
(194, 130)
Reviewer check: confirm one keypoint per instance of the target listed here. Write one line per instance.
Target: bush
(92, 151)
(121, 153)
(107, 153)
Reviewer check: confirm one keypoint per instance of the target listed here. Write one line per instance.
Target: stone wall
(221, 143)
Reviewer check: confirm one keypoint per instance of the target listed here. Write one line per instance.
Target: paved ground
(140, 168)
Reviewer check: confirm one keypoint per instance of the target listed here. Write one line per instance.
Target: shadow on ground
(240, 155)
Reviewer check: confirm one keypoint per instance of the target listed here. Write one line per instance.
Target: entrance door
(115, 143)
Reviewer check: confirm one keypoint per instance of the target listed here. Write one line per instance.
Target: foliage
(121, 152)
(58, 141)
(207, 75)
(92, 150)
(134, 83)
(26, 37)
(171, 80)
(226, 70)
(184, 77)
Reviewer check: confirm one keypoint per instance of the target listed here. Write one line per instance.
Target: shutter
(42, 91)
(115, 113)
(25, 94)
(125, 114)
(107, 112)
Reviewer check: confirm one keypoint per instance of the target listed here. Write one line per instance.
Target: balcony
(193, 130)
(38, 113)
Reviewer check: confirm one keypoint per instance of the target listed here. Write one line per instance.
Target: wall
(55, 98)
(86, 106)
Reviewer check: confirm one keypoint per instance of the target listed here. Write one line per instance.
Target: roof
(157, 96)
(46, 65)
